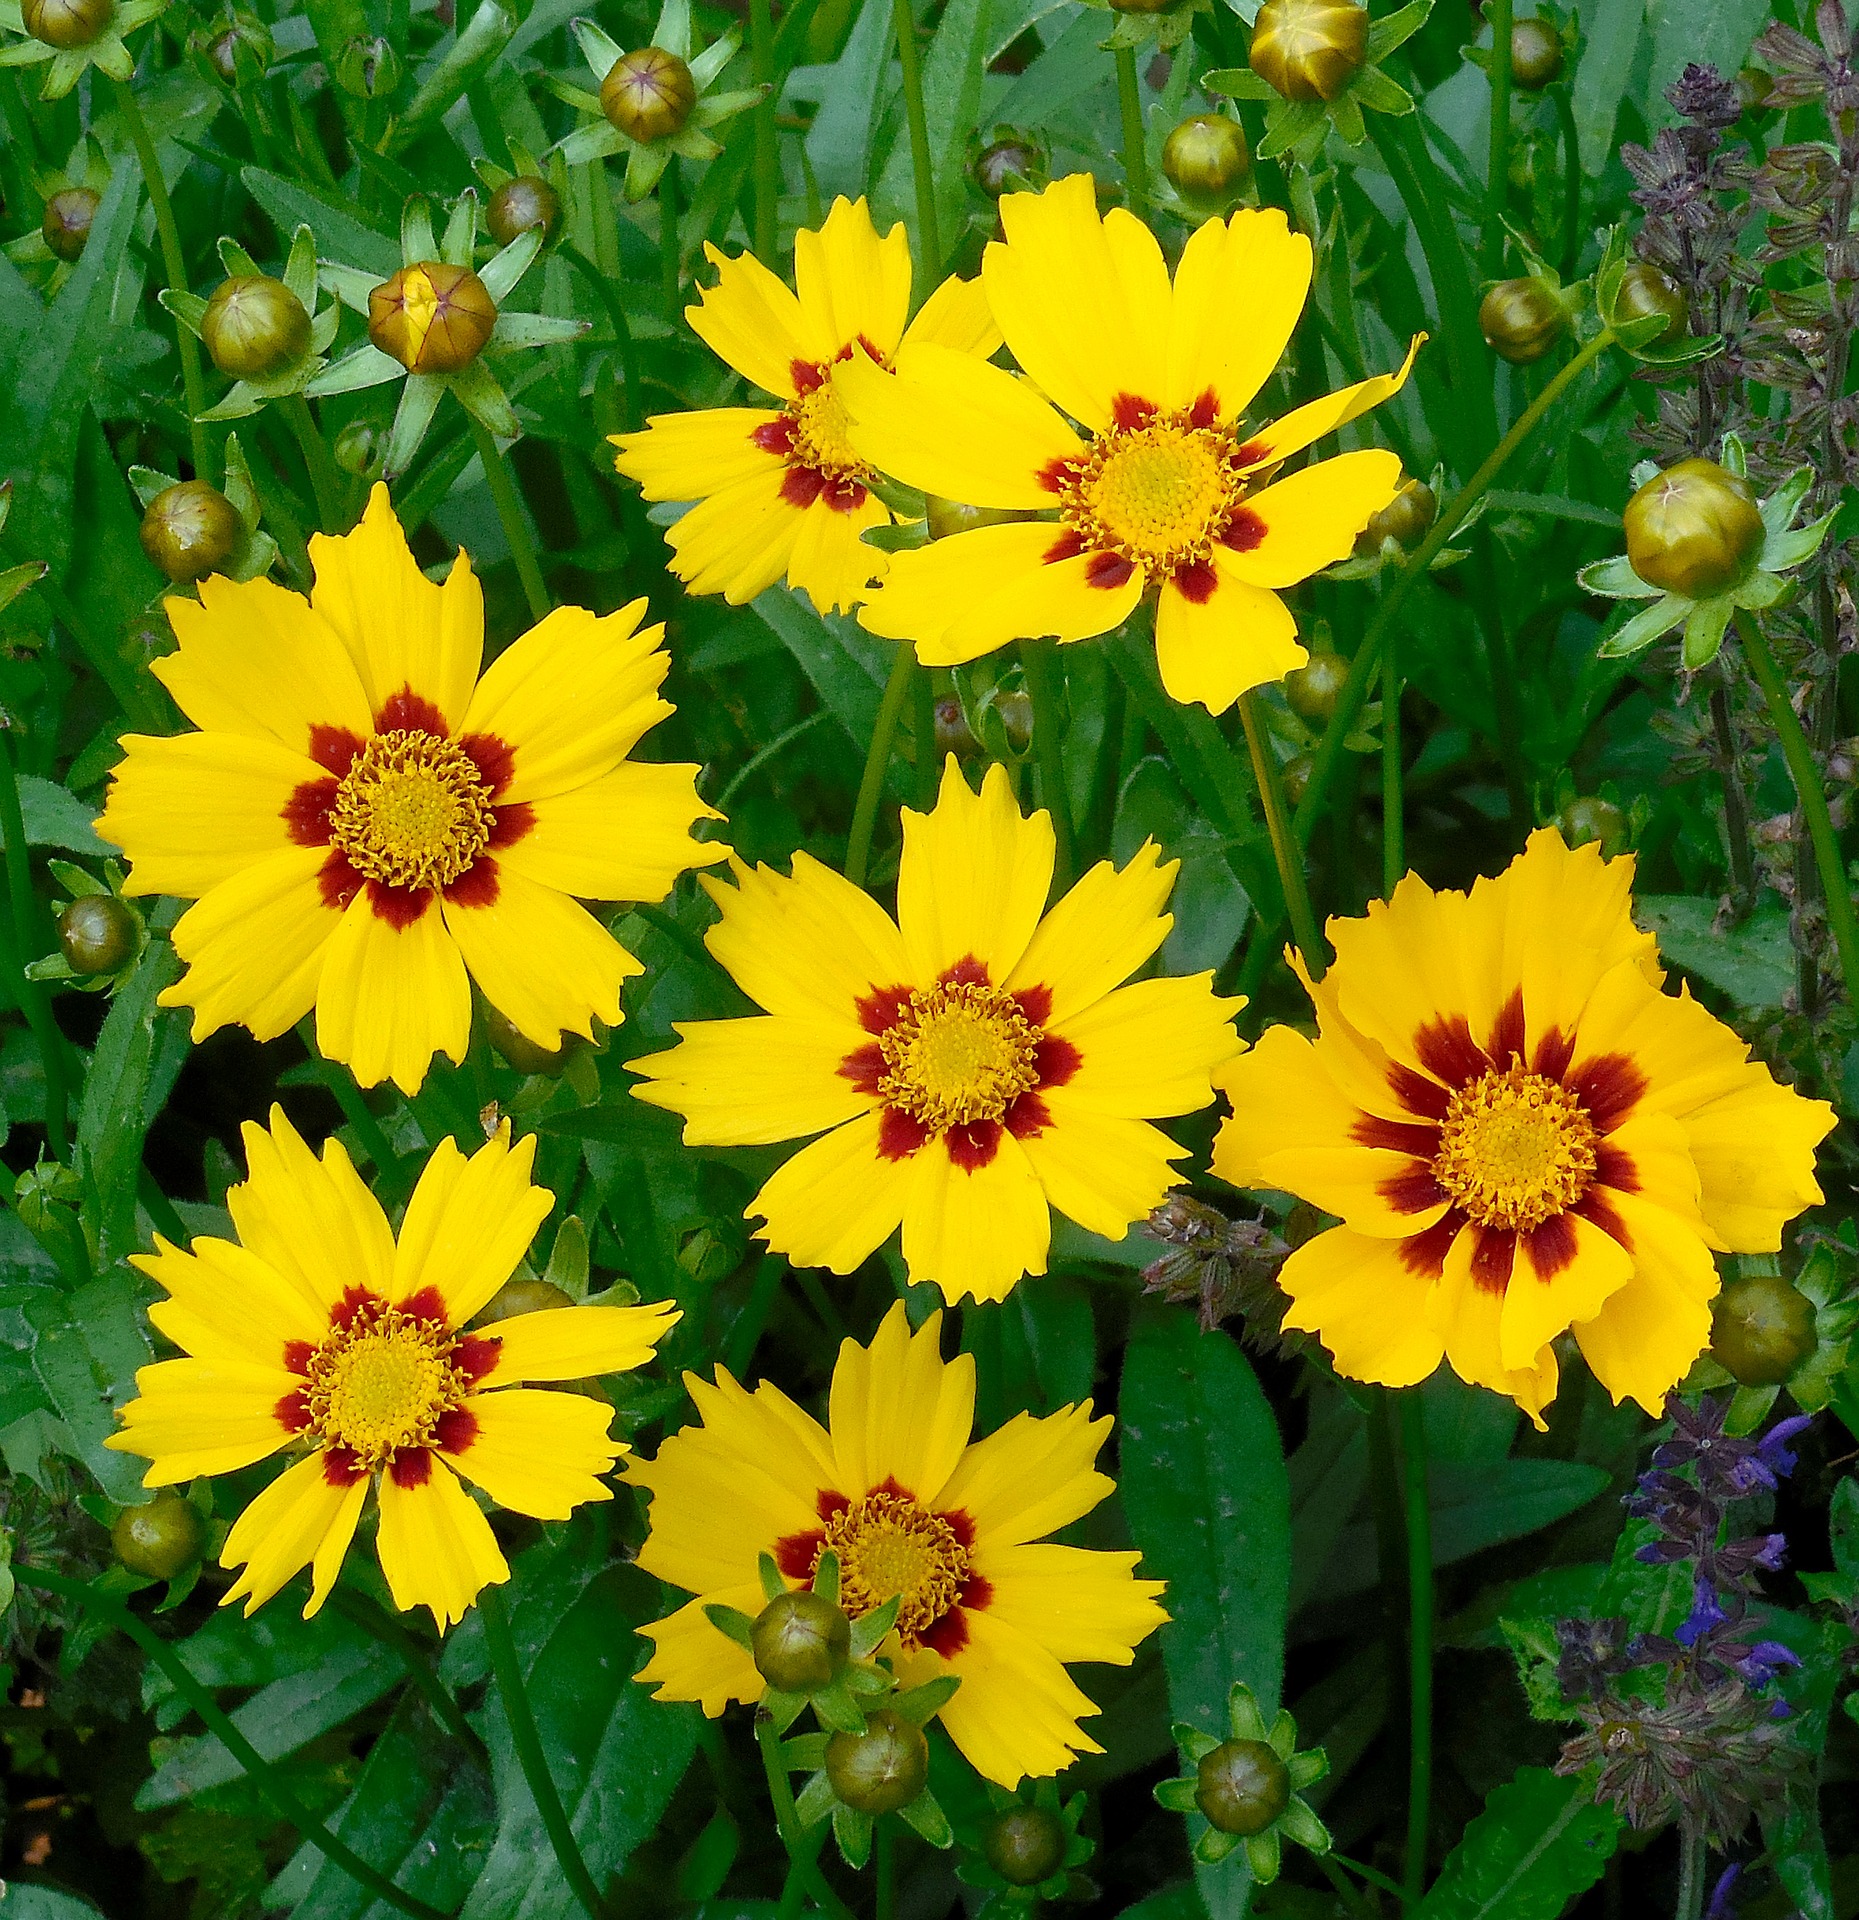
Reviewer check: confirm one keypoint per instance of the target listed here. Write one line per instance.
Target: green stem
(510, 512)
(760, 759)
(1393, 822)
(1362, 668)
(886, 1839)
(1135, 155)
(355, 1109)
(24, 933)
(1812, 796)
(1571, 181)
(1497, 176)
(174, 265)
(381, 1625)
(1368, 1874)
(804, 1859)
(1416, 1502)
(1285, 848)
(877, 762)
(929, 235)
(767, 151)
(263, 1774)
(923, 724)
(325, 475)
(1045, 682)
(690, 944)
(1690, 1872)
(670, 262)
(1352, 1898)
(609, 298)
(529, 1755)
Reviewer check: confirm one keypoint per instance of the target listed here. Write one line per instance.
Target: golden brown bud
(881, 1769)
(1535, 55)
(432, 317)
(190, 530)
(1521, 320)
(1205, 159)
(1644, 289)
(1024, 1845)
(1011, 164)
(1308, 49)
(98, 933)
(648, 95)
(1406, 519)
(521, 204)
(1693, 529)
(66, 226)
(254, 326)
(67, 23)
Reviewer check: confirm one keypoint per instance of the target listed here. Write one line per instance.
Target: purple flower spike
(1767, 1660)
(1705, 1615)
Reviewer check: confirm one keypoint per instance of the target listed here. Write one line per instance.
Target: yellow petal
(956, 315)
(227, 1306)
(1102, 1171)
(1282, 1100)
(852, 284)
(830, 562)
(973, 878)
(1644, 1339)
(542, 960)
(1017, 1710)
(737, 542)
(1099, 933)
(752, 1082)
(190, 1418)
(835, 1202)
(1313, 420)
(256, 947)
(1150, 1049)
(1077, 1604)
(468, 1223)
(1754, 1152)
(1469, 1315)
(751, 321)
(436, 1548)
(1366, 1304)
(689, 456)
(693, 1659)
(538, 1452)
(623, 836)
(400, 629)
(573, 1343)
(391, 997)
(1536, 1308)
(1239, 290)
(1030, 1477)
(899, 1411)
(1312, 518)
(1212, 650)
(975, 1232)
(302, 1519)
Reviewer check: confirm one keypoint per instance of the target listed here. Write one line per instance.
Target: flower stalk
(1497, 178)
(1416, 1505)
(1135, 156)
(510, 513)
(877, 762)
(1286, 850)
(767, 149)
(929, 234)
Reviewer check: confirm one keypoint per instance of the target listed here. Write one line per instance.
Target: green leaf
(55, 817)
(340, 236)
(1615, 579)
(1752, 961)
(847, 666)
(839, 143)
(1539, 1843)
(25, 1902)
(1843, 1525)
(1644, 628)
(1704, 631)
(1610, 35)
(85, 1357)
(1208, 1502)
(466, 61)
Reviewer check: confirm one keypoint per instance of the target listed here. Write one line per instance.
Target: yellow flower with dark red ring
(972, 1064)
(1522, 1135)
(913, 1509)
(367, 824)
(321, 1334)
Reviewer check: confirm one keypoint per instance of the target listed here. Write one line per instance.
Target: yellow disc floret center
(958, 1053)
(887, 1544)
(412, 811)
(1515, 1149)
(820, 441)
(380, 1383)
(1159, 494)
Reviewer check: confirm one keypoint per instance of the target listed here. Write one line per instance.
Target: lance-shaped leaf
(419, 400)
(365, 366)
(1645, 627)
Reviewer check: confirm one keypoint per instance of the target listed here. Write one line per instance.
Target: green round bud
(1296, 776)
(1314, 688)
(254, 326)
(801, 1642)
(98, 933)
(432, 317)
(1522, 319)
(523, 1296)
(1762, 1329)
(1016, 711)
(1024, 1845)
(1011, 164)
(1309, 49)
(190, 530)
(1589, 819)
(1694, 529)
(1242, 1787)
(648, 95)
(1205, 159)
(65, 24)
(1645, 290)
(881, 1769)
(1406, 519)
(1535, 55)
(65, 229)
(523, 205)
(161, 1538)
(222, 48)
(361, 449)
(520, 1051)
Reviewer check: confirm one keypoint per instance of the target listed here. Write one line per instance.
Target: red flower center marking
(811, 437)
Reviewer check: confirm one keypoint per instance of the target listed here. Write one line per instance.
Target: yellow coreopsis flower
(973, 1064)
(319, 1333)
(1523, 1136)
(367, 825)
(1162, 491)
(911, 1508)
(780, 493)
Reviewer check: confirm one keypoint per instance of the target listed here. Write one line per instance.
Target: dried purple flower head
(1702, 95)
(1593, 1652)
(1225, 1266)
(1728, 1466)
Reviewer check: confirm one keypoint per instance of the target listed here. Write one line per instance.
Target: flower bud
(190, 530)
(648, 95)
(67, 23)
(1024, 1845)
(520, 1051)
(1314, 688)
(1693, 529)
(1644, 289)
(254, 326)
(801, 1642)
(1535, 55)
(222, 48)
(1205, 159)
(1016, 711)
(432, 317)
(1242, 1787)
(1011, 164)
(1590, 819)
(881, 1769)
(98, 933)
(1296, 776)
(1308, 49)
(520, 205)
(520, 1296)
(161, 1538)
(953, 733)
(945, 517)
(66, 226)
(1407, 519)
(367, 68)
(361, 449)
(1762, 1329)
(1522, 319)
